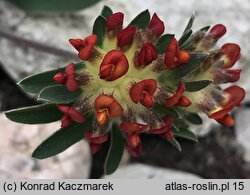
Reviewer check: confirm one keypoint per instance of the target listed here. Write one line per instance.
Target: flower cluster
(146, 82)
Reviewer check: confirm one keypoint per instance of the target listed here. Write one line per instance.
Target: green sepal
(35, 83)
(99, 29)
(163, 42)
(142, 20)
(39, 114)
(193, 118)
(63, 139)
(185, 37)
(52, 5)
(59, 94)
(197, 85)
(185, 133)
(190, 23)
(115, 152)
(106, 12)
(175, 143)
(163, 110)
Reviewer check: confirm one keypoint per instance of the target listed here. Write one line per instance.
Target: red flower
(236, 95)
(218, 31)
(133, 130)
(84, 47)
(70, 115)
(147, 54)
(113, 66)
(164, 129)
(178, 99)
(107, 107)
(67, 78)
(95, 141)
(230, 54)
(175, 57)
(143, 92)
(156, 25)
(115, 21)
(126, 36)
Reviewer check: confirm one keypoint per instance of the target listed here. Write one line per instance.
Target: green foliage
(197, 85)
(58, 94)
(115, 150)
(185, 133)
(99, 29)
(193, 118)
(141, 21)
(52, 5)
(39, 114)
(163, 42)
(62, 139)
(106, 12)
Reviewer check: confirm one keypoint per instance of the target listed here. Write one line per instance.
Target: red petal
(234, 75)
(134, 140)
(71, 84)
(218, 31)
(156, 25)
(126, 36)
(226, 120)
(76, 115)
(113, 66)
(147, 100)
(104, 101)
(66, 121)
(177, 96)
(115, 21)
(165, 127)
(171, 54)
(132, 127)
(184, 102)
(70, 70)
(135, 152)
(182, 57)
(78, 44)
(95, 139)
(60, 78)
(137, 91)
(89, 43)
(95, 148)
(63, 108)
(147, 54)
(169, 135)
(231, 51)
(236, 93)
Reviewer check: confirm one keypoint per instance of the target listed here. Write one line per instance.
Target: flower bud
(126, 36)
(218, 31)
(230, 54)
(143, 92)
(147, 54)
(115, 21)
(156, 25)
(113, 66)
(84, 47)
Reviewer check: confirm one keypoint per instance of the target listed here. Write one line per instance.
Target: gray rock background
(55, 30)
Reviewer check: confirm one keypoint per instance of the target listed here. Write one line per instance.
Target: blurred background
(34, 37)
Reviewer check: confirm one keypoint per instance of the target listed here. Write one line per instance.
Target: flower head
(141, 81)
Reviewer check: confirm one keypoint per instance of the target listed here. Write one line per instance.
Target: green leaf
(115, 150)
(141, 21)
(194, 118)
(197, 85)
(163, 42)
(185, 37)
(58, 94)
(176, 144)
(52, 5)
(35, 83)
(62, 139)
(99, 29)
(163, 110)
(205, 29)
(190, 23)
(39, 114)
(106, 12)
(187, 134)
(196, 60)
